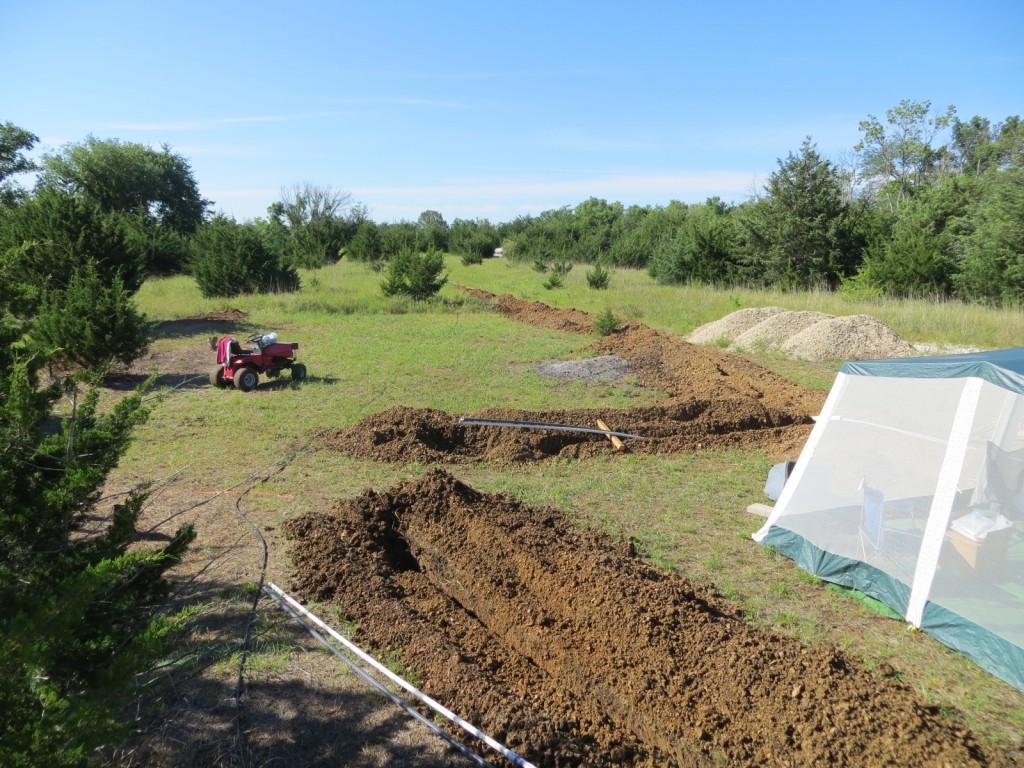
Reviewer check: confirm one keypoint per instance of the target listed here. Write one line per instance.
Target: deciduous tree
(901, 150)
(320, 221)
(14, 142)
(154, 189)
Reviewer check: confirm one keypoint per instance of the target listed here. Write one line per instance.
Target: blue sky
(493, 110)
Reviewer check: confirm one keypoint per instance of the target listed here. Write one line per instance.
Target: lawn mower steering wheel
(254, 337)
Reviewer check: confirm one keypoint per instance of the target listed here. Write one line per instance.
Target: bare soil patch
(573, 651)
(565, 644)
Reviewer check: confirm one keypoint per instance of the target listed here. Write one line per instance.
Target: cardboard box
(985, 557)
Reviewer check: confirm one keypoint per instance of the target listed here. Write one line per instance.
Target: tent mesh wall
(913, 488)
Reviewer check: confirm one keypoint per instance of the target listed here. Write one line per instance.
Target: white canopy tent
(911, 489)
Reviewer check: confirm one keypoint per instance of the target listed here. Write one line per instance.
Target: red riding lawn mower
(242, 367)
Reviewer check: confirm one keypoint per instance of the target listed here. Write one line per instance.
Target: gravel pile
(812, 336)
(732, 325)
(854, 337)
(770, 334)
(603, 368)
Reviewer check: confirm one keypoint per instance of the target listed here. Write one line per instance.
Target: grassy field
(366, 353)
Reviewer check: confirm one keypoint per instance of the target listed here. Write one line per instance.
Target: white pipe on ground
(380, 687)
(278, 594)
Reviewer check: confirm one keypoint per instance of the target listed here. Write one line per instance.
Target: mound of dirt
(536, 313)
(732, 325)
(429, 436)
(853, 337)
(571, 650)
(715, 400)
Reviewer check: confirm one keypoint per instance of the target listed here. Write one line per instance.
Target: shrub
(599, 278)
(91, 322)
(54, 233)
(366, 244)
(606, 323)
(554, 281)
(230, 259)
(562, 266)
(417, 275)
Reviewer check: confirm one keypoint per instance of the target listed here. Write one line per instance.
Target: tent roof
(1002, 367)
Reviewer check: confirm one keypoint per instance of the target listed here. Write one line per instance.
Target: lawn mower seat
(228, 348)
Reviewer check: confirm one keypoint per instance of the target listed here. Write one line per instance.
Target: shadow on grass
(177, 329)
(299, 705)
(127, 382)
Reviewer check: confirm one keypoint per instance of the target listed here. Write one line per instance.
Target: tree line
(911, 217)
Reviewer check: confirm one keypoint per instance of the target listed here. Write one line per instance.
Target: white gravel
(770, 334)
(812, 336)
(732, 325)
(853, 337)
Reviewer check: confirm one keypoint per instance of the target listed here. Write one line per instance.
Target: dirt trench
(714, 399)
(573, 651)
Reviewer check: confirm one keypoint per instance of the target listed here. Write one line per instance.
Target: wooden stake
(619, 445)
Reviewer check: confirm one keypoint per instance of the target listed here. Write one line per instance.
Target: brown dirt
(715, 400)
(573, 651)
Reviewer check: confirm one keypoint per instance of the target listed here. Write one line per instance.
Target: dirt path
(575, 652)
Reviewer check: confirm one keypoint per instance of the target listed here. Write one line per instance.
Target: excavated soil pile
(715, 400)
(429, 436)
(572, 651)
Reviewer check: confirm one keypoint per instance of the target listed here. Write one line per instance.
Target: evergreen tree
(53, 234)
(366, 245)
(992, 266)
(91, 322)
(800, 234)
(231, 259)
(417, 275)
(80, 613)
(916, 252)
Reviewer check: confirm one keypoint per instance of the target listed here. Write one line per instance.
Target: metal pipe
(543, 425)
(439, 708)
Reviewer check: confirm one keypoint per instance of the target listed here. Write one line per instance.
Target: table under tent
(910, 489)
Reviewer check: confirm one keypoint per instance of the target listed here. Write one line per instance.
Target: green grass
(366, 353)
